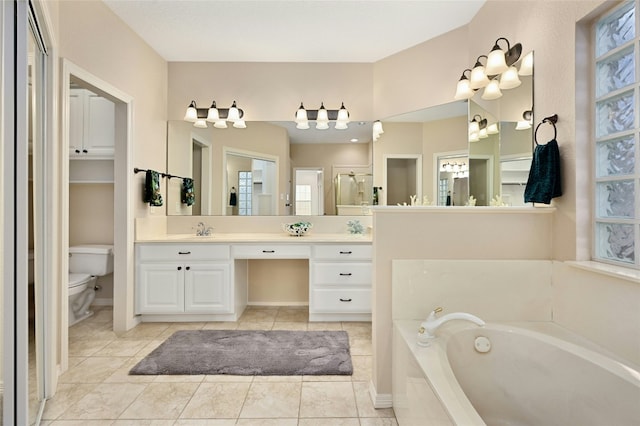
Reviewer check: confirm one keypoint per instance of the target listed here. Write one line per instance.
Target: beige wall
(278, 282)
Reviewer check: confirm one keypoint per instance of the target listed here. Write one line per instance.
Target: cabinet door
(76, 117)
(207, 288)
(101, 126)
(160, 288)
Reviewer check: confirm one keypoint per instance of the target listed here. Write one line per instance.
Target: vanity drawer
(271, 251)
(340, 273)
(341, 301)
(179, 252)
(343, 251)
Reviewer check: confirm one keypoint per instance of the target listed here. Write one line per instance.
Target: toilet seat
(78, 280)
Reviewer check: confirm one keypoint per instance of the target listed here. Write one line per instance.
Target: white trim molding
(380, 400)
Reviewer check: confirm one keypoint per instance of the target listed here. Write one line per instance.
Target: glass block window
(442, 191)
(245, 193)
(303, 200)
(617, 94)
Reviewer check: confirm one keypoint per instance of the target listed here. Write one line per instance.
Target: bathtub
(535, 374)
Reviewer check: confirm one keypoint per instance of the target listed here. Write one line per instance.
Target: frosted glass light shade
(200, 123)
(234, 114)
(496, 63)
(492, 91)
(240, 124)
(509, 79)
(192, 114)
(377, 127)
(213, 115)
(526, 67)
(323, 116)
(303, 125)
(492, 129)
(463, 90)
(479, 77)
(341, 125)
(474, 137)
(474, 127)
(482, 134)
(301, 114)
(220, 124)
(322, 125)
(523, 125)
(343, 114)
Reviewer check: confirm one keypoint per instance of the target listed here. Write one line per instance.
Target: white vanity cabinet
(91, 125)
(183, 278)
(340, 282)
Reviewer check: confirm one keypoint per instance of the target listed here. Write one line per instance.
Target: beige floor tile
(330, 422)
(160, 401)
(205, 422)
(290, 379)
(223, 325)
(340, 378)
(365, 405)
(327, 399)
(105, 401)
(180, 326)
(360, 346)
(67, 395)
(146, 350)
(92, 370)
(148, 330)
(143, 423)
(216, 400)
(362, 368)
(322, 326)
(123, 347)
(101, 315)
(267, 422)
(272, 400)
(259, 315)
(179, 378)
(295, 326)
(81, 423)
(224, 378)
(378, 422)
(86, 347)
(293, 314)
(257, 325)
(121, 375)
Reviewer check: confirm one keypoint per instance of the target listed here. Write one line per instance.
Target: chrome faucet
(428, 328)
(203, 231)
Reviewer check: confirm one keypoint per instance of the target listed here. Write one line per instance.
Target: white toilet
(86, 263)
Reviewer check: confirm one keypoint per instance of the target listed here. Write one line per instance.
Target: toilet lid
(78, 279)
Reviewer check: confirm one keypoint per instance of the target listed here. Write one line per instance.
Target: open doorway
(122, 233)
(309, 191)
(402, 176)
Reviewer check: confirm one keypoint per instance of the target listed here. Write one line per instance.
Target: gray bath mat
(249, 353)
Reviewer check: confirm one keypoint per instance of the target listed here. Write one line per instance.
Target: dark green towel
(188, 196)
(544, 177)
(152, 188)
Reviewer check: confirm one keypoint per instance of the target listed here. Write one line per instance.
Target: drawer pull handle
(347, 274)
(346, 252)
(268, 251)
(345, 300)
(188, 268)
(184, 252)
(179, 268)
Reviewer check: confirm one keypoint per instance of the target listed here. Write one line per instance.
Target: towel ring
(553, 119)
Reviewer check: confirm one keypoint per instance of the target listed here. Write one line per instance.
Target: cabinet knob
(345, 274)
(179, 268)
(84, 151)
(345, 300)
(77, 151)
(188, 268)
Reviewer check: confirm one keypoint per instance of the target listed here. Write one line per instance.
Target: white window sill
(615, 271)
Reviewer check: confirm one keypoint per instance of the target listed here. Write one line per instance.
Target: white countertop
(258, 238)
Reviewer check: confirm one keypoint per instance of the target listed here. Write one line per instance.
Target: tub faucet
(203, 231)
(428, 328)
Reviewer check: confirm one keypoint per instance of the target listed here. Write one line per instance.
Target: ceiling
(289, 30)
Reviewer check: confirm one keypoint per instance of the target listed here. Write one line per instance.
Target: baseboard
(380, 400)
(102, 302)
(250, 303)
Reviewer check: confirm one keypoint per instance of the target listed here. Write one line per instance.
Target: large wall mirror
(490, 164)
(270, 168)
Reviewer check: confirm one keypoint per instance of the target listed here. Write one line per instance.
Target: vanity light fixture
(213, 114)
(492, 129)
(476, 124)
(509, 79)
(492, 91)
(322, 117)
(526, 67)
(525, 123)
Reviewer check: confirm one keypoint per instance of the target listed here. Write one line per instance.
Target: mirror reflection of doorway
(403, 178)
(309, 192)
(480, 186)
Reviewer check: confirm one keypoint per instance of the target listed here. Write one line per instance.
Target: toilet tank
(93, 259)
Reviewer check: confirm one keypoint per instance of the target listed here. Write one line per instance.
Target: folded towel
(152, 188)
(188, 196)
(544, 176)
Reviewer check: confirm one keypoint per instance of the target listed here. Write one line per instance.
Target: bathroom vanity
(187, 278)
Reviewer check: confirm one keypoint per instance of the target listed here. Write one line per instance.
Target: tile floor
(96, 390)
